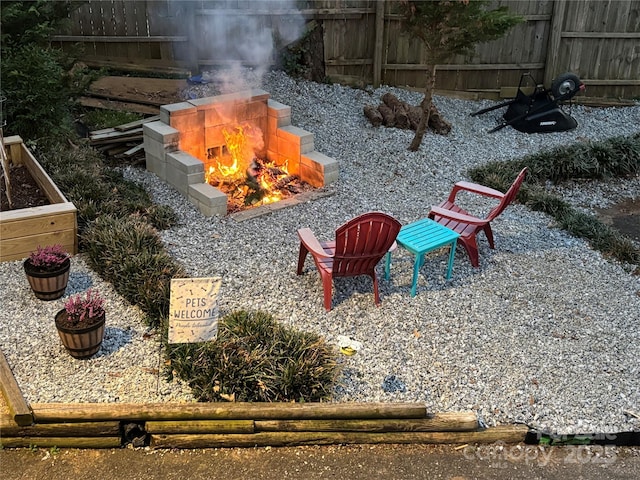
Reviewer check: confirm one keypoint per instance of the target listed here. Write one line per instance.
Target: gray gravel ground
(545, 332)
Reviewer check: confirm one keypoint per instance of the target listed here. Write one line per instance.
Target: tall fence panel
(142, 35)
(363, 41)
(599, 41)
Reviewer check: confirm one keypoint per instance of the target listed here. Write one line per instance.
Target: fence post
(555, 37)
(379, 43)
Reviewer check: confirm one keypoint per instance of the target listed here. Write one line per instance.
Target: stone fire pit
(189, 137)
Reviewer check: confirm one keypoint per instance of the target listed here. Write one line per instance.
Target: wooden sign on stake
(193, 309)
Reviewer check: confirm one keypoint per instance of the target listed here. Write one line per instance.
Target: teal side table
(420, 238)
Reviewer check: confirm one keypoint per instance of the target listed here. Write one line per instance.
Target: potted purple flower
(80, 324)
(47, 270)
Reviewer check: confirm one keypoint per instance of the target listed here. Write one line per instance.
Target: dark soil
(624, 217)
(63, 320)
(25, 192)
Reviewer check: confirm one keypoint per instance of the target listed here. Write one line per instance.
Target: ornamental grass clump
(84, 310)
(48, 258)
(609, 158)
(256, 359)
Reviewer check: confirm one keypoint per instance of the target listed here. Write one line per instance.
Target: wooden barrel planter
(81, 343)
(47, 285)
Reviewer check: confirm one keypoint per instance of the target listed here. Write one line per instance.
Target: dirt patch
(25, 192)
(624, 217)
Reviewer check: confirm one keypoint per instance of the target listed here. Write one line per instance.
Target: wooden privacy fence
(363, 41)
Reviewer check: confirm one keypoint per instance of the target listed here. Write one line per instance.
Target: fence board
(596, 40)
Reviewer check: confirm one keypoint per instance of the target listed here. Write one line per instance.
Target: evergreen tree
(447, 28)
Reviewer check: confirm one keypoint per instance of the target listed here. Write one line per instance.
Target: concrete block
(289, 150)
(157, 148)
(296, 135)
(318, 169)
(178, 109)
(213, 137)
(278, 110)
(273, 123)
(209, 200)
(215, 116)
(251, 110)
(161, 132)
(190, 122)
(193, 143)
(175, 110)
(156, 165)
(271, 141)
(184, 162)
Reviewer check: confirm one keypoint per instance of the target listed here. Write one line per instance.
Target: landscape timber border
(209, 425)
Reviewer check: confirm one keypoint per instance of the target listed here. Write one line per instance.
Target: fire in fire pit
(234, 151)
(246, 179)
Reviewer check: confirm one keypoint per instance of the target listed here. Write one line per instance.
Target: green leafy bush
(39, 82)
(256, 359)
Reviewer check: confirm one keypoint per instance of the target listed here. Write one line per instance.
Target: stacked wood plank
(124, 142)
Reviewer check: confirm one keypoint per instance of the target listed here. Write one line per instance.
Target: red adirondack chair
(466, 225)
(359, 245)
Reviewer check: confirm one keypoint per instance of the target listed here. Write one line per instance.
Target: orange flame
(241, 143)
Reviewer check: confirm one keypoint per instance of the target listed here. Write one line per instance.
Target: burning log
(396, 113)
(284, 182)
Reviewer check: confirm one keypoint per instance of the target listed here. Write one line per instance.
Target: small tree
(447, 28)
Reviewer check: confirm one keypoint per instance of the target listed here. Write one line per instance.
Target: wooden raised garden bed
(23, 229)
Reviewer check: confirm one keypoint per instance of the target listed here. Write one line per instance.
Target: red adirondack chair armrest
(460, 217)
(474, 188)
(311, 242)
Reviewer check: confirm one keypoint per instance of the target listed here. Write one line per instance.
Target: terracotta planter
(47, 285)
(82, 342)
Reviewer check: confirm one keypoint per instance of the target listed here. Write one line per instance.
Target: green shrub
(610, 158)
(98, 190)
(127, 252)
(255, 359)
(40, 82)
(37, 99)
